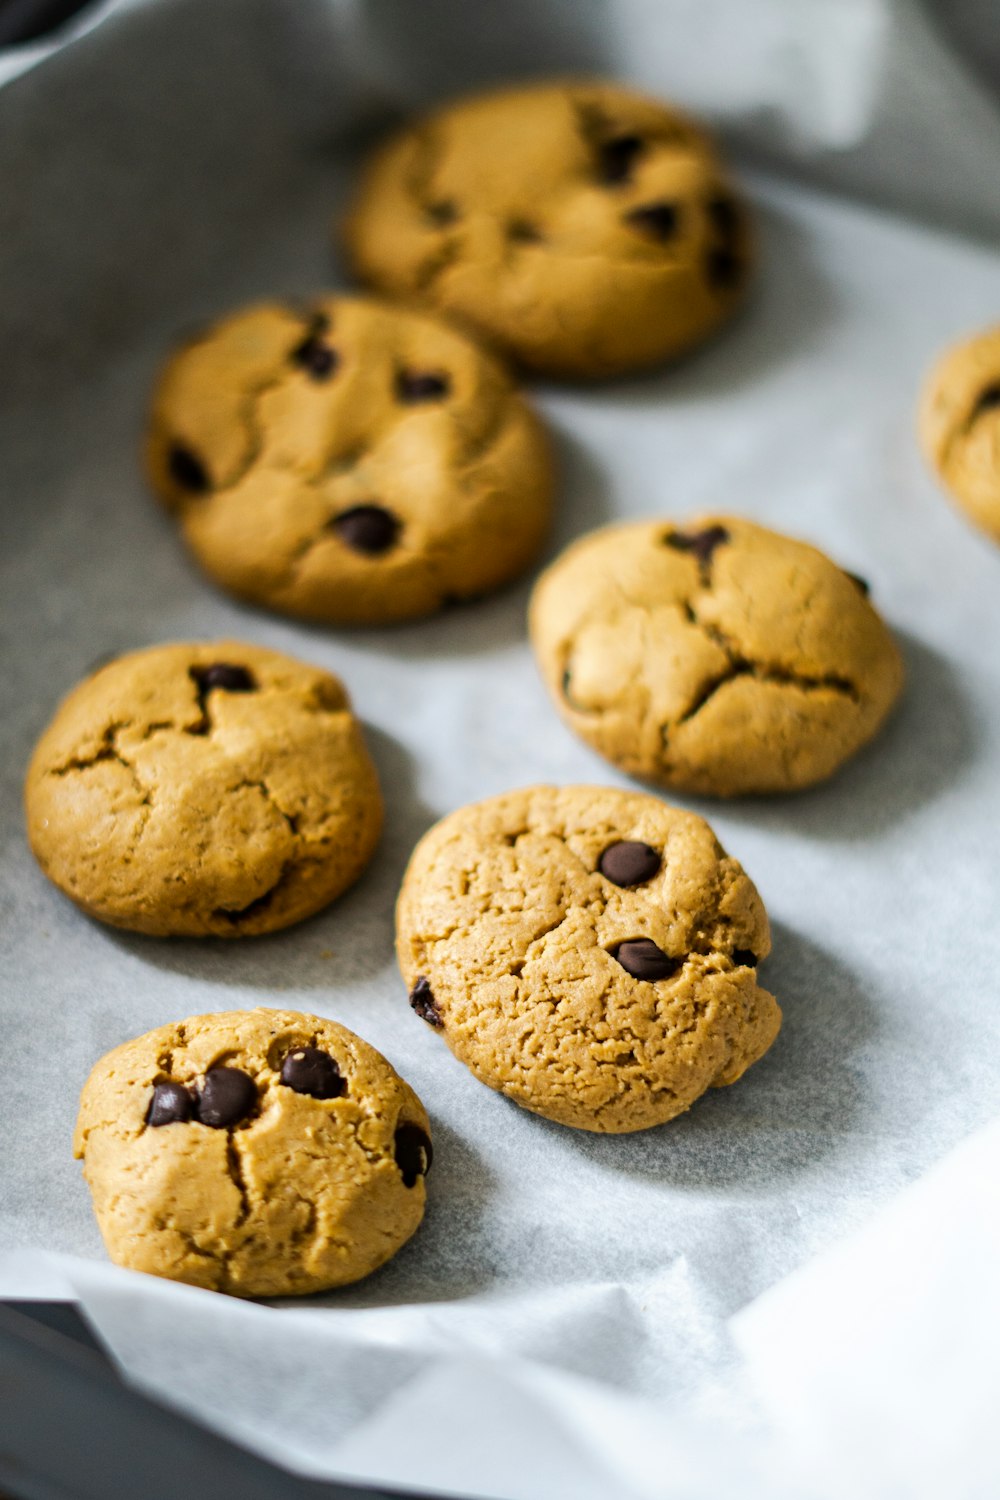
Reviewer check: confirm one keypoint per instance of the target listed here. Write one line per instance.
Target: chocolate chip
(307, 1070)
(629, 863)
(224, 676)
(414, 1153)
(860, 583)
(187, 469)
(723, 267)
(724, 215)
(744, 958)
(523, 232)
(989, 399)
(413, 387)
(423, 1002)
(701, 543)
(366, 528)
(618, 157)
(171, 1102)
(227, 1096)
(641, 958)
(443, 212)
(660, 220)
(316, 357)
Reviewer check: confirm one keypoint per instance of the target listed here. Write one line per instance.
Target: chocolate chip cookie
(205, 789)
(583, 228)
(713, 655)
(960, 427)
(262, 1153)
(350, 462)
(590, 953)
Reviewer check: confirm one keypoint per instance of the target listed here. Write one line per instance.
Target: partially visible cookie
(588, 952)
(713, 655)
(583, 228)
(262, 1153)
(352, 463)
(960, 426)
(210, 789)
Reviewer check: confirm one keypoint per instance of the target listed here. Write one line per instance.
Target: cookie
(204, 789)
(713, 655)
(959, 427)
(353, 463)
(588, 952)
(262, 1153)
(581, 227)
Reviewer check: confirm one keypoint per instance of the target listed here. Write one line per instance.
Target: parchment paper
(165, 168)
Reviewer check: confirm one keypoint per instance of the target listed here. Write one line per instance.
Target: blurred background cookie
(352, 463)
(582, 227)
(206, 789)
(713, 655)
(959, 426)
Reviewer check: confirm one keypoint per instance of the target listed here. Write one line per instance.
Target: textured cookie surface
(351, 463)
(960, 427)
(584, 228)
(204, 789)
(713, 655)
(263, 1153)
(588, 952)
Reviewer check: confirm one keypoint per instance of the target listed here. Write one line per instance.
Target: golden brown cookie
(960, 426)
(583, 228)
(588, 952)
(352, 463)
(205, 789)
(713, 655)
(263, 1153)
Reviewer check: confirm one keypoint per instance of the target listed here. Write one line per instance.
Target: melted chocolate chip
(171, 1103)
(988, 400)
(224, 676)
(412, 386)
(187, 469)
(660, 220)
(724, 215)
(443, 212)
(307, 1070)
(523, 232)
(744, 958)
(227, 1096)
(723, 267)
(629, 863)
(366, 528)
(316, 357)
(860, 583)
(641, 958)
(414, 1153)
(618, 156)
(701, 543)
(423, 1002)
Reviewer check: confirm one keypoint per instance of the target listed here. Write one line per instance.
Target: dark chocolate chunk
(443, 212)
(745, 958)
(725, 215)
(723, 267)
(412, 386)
(618, 156)
(316, 357)
(171, 1103)
(660, 220)
(859, 583)
(187, 469)
(227, 1096)
(307, 1070)
(224, 676)
(366, 528)
(414, 1153)
(629, 863)
(523, 232)
(641, 958)
(988, 400)
(701, 543)
(423, 1002)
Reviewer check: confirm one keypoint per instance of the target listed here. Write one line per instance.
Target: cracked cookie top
(585, 229)
(588, 952)
(263, 1153)
(959, 426)
(349, 462)
(713, 655)
(208, 789)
